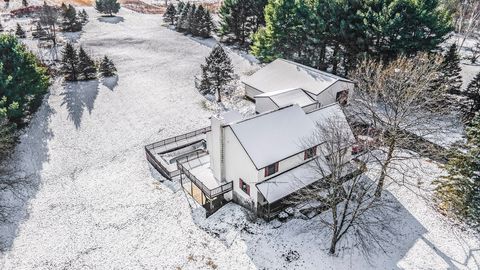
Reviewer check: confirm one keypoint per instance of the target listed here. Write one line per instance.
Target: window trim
(243, 184)
(306, 153)
(268, 173)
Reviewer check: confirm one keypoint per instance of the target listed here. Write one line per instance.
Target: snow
(289, 96)
(95, 203)
(282, 74)
(270, 137)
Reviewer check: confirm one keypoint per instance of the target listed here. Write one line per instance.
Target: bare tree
(49, 17)
(467, 18)
(398, 103)
(343, 192)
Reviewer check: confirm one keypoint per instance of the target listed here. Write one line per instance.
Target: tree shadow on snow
(111, 20)
(79, 96)
(110, 82)
(21, 174)
(294, 243)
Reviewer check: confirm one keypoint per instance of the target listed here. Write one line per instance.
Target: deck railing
(156, 163)
(178, 138)
(210, 193)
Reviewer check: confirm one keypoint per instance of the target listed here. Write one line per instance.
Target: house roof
(286, 97)
(334, 113)
(276, 135)
(283, 74)
(272, 136)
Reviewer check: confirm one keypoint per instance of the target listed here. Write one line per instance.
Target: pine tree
(70, 63)
(204, 22)
(473, 93)
(170, 14)
(19, 32)
(180, 7)
(451, 70)
(107, 68)
(108, 7)
(70, 21)
(25, 3)
(217, 73)
(237, 18)
(459, 191)
(182, 22)
(83, 16)
(1, 27)
(192, 24)
(86, 66)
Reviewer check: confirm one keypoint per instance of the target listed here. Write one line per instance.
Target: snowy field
(98, 205)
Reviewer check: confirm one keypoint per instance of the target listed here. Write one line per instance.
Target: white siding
(238, 165)
(251, 92)
(329, 95)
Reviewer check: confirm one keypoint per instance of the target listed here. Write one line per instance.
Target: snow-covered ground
(98, 204)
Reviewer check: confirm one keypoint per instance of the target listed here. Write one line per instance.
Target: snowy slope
(99, 205)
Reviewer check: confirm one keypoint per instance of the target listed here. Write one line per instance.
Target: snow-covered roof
(332, 112)
(291, 181)
(275, 135)
(270, 137)
(283, 74)
(286, 97)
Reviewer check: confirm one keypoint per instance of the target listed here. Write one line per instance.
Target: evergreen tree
(19, 32)
(23, 80)
(83, 16)
(459, 191)
(217, 73)
(170, 14)
(25, 3)
(63, 7)
(237, 17)
(205, 23)
(70, 21)
(182, 22)
(86, 66)
(180, 7)
(451, 70)
(106, 67)
(70, 63)
(473, 93)
(192, 24)
(1, 27)
(108, 7)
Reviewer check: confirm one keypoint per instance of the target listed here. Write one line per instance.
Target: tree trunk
(219, 97)
(333, 245)
(335, 59)
(383, 174)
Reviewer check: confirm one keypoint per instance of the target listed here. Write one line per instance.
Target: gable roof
(283, 74)
(286, 97)
(276, 135)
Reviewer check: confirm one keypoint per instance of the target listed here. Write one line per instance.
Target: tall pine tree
(19, 32)
(192, 23)
(451, 70)
(86, 66)
(108, 7)
(217, 73)
(70, 63)
(473, 94)
(170, 14)
(70, 20)
(106, 67)
(182, 22)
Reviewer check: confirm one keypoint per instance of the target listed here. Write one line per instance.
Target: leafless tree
(467, 18)
(344, 193)
(49, 18)
(397, 101)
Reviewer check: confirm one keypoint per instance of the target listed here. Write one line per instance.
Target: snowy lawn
(96, 203)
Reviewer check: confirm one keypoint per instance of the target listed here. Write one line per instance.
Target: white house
(257, 161)
(284, 75)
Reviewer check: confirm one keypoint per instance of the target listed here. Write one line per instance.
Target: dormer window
(271, 169)
(309, 153)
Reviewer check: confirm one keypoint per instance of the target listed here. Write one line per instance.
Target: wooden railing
(210, 193)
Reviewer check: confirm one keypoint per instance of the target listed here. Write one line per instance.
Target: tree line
(190, 19)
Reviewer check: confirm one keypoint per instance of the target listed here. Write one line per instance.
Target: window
(244, 186)
(311, 152)
(342, 97)
(271, 169)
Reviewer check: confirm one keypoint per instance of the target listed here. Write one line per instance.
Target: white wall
(251, 92)
(238, 165)
(263, 104)
(214, 139)
(329, 95)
